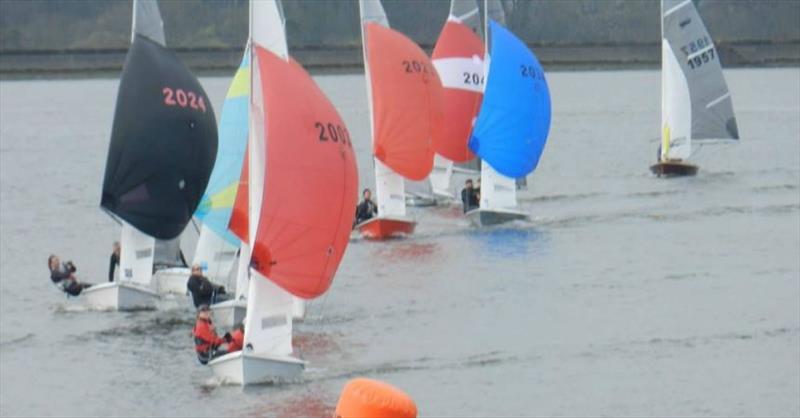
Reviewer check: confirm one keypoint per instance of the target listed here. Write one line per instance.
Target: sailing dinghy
(301, 195)
(163, 143)
(512, 126)
(458, 58)
(217, 247)
(406, 111)
(695, 101)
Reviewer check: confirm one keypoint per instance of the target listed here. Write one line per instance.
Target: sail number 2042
(182, 98)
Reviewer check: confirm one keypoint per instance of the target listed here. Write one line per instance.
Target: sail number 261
(182, 98)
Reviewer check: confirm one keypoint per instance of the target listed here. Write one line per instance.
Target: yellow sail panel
(225, 198)
(240, 86)
(665, 140)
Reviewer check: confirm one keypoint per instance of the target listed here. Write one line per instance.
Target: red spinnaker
(310, 182)
(407, 100)
(238, 224)
(456, 55)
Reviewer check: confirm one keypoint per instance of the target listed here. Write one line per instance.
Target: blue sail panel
(217, 202)
(514, 118)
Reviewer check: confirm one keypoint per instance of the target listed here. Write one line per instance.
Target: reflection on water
(513, 240)
(309, 404)
(400, 251)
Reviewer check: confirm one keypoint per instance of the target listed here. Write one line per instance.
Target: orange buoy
(367, 398)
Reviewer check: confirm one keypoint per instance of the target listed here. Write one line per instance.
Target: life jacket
(205, 338)
(237, 341)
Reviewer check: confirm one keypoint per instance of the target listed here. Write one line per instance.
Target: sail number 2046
(182, 98)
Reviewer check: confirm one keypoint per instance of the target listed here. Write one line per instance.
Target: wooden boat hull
(673, 169)
(384, 227)
(119, 297)
(241, 368)
(490, 217)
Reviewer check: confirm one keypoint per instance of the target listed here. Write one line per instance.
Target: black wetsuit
(365, 210)
(202, 290)
(469, 198)
(113, 262)
(63, 278)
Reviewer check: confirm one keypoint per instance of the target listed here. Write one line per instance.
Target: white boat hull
(240, 368)
(229, 313)
(490, 217)
(171, 281)
(119, 297)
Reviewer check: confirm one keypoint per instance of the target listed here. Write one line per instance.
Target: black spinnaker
(163, 142)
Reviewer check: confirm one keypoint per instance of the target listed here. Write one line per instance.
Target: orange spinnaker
(460, 105)
(408, 105)
(238, 224)
(310, 181)
(362, 398)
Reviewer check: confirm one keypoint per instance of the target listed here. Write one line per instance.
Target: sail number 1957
(182, 98)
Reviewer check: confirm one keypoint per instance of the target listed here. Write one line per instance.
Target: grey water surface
(626, 295)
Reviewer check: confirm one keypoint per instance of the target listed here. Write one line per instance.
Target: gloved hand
(228, 338)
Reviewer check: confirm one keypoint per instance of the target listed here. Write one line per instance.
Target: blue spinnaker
(514, 118)
(217, 202)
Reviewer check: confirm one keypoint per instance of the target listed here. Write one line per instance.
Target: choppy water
(627, 294)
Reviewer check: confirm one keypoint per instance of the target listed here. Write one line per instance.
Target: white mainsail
(696, 102)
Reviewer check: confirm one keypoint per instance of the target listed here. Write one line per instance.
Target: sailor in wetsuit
(469, 196)
(366, 209)
(203, 291)
(113, 261)
(63, 276)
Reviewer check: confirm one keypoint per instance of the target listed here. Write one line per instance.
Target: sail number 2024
(182, 98)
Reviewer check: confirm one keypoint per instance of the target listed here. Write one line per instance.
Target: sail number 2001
(332, 132)
(182, 98)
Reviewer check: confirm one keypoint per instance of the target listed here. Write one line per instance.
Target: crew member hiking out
(63, 275)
